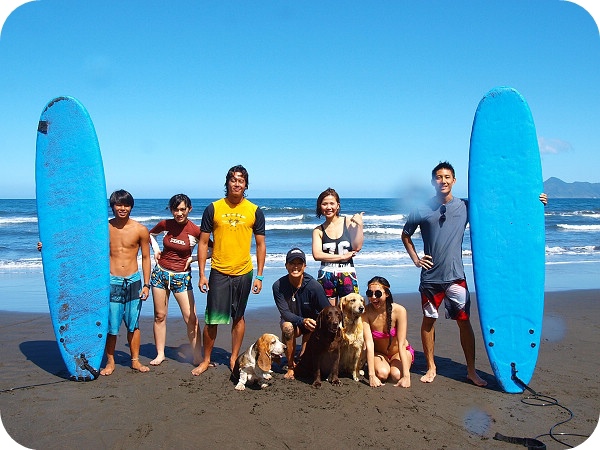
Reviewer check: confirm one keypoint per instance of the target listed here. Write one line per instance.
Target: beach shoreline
(170, 408)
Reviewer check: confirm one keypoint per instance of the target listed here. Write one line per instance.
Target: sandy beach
(170, 408)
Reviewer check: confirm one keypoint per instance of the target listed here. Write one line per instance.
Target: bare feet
(289, 375)
(137, 365)
(429, 376)
(203, 367)
(156, 361)
(476, 379)
(109, 369)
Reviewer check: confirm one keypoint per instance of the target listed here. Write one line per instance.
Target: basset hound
(254, 365)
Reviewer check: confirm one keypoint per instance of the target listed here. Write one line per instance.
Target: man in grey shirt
(442, 222)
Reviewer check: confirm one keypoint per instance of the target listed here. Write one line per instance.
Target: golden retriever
(352, 356)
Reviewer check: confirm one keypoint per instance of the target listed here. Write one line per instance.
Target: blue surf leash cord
(537, 399)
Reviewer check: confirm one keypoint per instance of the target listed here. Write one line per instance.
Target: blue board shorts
(227, 297)
(125, 304)
(175, 282)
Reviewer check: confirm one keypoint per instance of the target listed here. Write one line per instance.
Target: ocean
(572, 246)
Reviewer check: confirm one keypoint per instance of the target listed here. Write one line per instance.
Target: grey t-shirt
(442, 239)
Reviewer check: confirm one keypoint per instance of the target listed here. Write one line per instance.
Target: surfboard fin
(43, 126)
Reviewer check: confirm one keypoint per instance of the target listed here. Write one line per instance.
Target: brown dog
(322, 353)
(254, 365)
(352, 351)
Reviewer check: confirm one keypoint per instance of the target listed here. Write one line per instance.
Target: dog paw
(240, 387)
(267, 376)
(264, 385)
(317, 384)
(336, 382)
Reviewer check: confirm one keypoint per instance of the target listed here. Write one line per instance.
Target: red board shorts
(455, 296)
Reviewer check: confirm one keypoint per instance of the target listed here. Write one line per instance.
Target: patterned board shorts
(338, 284)
(125, 304)
(175, 282)
(454, 295)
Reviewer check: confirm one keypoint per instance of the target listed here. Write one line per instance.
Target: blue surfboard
(507, 234)
(73, 225)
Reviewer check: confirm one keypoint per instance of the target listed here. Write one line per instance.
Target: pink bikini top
(383, 335)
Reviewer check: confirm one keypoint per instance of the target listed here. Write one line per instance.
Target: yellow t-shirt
(232, 227)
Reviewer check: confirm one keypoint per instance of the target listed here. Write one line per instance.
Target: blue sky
(365, 97)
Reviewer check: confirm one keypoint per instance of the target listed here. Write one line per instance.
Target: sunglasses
(442, 213)
(376, 294)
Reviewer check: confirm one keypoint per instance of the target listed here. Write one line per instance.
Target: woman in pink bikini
(389, 355)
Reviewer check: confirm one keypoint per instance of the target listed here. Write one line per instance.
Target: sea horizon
(572, 246)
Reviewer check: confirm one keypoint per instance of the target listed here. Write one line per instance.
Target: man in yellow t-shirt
(232, 221)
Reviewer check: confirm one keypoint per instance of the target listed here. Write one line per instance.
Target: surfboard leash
(84, 364)
(29, 386)
(537, 399)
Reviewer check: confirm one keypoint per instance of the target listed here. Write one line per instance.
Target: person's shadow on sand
(183, 353)
(449, 368)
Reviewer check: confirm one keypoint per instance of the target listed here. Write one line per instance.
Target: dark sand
(170, 408)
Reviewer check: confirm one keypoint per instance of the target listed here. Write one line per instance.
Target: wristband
(146, 285)
(260, 277)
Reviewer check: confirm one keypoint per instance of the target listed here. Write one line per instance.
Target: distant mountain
(557, 188)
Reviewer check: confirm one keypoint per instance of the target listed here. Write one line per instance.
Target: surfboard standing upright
(507, 234)
(73, 226)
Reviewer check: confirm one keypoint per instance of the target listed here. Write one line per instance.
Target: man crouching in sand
(127, 237)
(299, 299)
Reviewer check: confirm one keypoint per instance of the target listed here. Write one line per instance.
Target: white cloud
(553, 146)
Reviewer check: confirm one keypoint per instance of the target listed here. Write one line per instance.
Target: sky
(365, 97)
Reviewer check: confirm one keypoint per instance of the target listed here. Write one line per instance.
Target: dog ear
(263, 353)
(264, 361)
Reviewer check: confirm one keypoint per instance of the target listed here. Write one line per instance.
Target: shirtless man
(127, 238)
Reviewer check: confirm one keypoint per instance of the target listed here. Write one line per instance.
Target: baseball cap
(295, 253)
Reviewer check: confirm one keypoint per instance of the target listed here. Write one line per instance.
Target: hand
(347, 256)
(403, 382)
(203, 284)
(310, 324)
(188, 263)
(157, 257)
(357, 219)
(256, 286)
(544, 198)
(145, 293)
(426, 262)
(374, 381)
